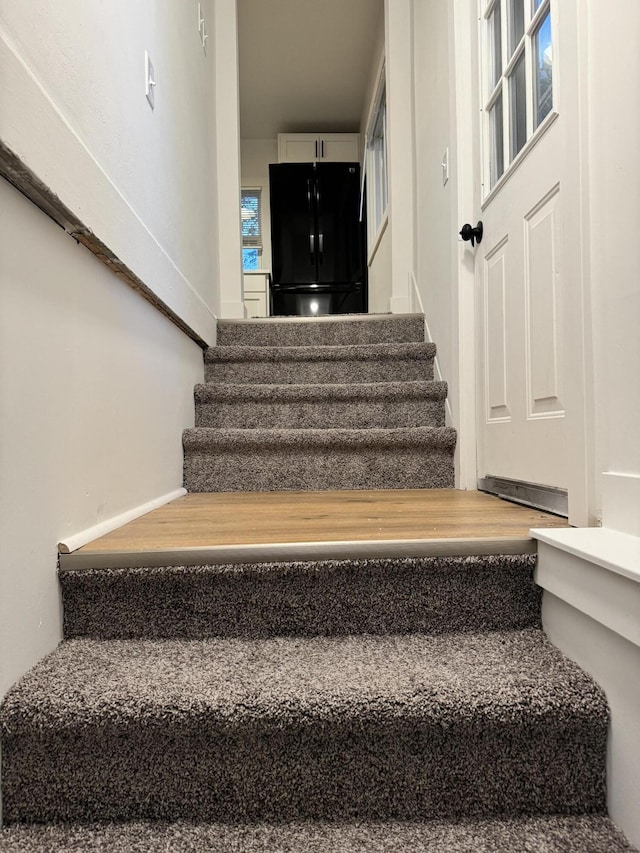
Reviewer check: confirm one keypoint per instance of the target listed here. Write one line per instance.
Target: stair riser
(353, 768)
(320, 372)
(310, 333)
(269, 469)
(336, 414)
(303, 599)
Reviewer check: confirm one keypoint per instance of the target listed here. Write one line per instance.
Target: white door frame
(463, 24)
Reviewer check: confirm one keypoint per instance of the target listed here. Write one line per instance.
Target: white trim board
(621, 502)
(436, 364)
(596, 571)
(77, 540)
(618, 552)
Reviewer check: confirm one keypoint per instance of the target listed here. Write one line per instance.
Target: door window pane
(518, 103)
(495, 40)
(516, 24)
(497, 143)
(377, 168)
(543, 70)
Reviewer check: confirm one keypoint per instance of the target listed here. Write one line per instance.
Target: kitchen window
(251, 217)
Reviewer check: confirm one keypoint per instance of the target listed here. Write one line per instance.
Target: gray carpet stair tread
(320, 364)
(210, 438)
(263, 460)
(409, 727)
(316, 598)
(352, 392)
(385, 405)
(350, 352)
(441, 679)
(555, 834)
(290, 331)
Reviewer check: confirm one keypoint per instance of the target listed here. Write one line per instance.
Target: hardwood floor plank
(227, 520)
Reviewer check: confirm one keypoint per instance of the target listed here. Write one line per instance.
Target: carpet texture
(320, 404)
(375, 405)
(365, 727)
(585, 834)
(393, 362)
(264, 460)
(336, 331)
(373, 705)
(433, 595)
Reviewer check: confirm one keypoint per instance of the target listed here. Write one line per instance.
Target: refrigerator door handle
(312, 239)
(320, 233)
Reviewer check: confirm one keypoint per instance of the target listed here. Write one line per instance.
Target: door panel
(543, 308)
(495, 321)
(339, 228)
(293, 223)
(522, 426)
(522, 431)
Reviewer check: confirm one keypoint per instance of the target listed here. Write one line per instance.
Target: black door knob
(468, 232)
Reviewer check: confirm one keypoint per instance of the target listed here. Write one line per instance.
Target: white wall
(74, 109)
(257, 154)
(95, 389)
(444, 283)
(400, 149)
(96, 384)
(380, 274)
(435, 203)
(227, 158)
(378, 250)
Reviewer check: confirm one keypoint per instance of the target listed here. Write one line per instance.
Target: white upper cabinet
(320, 147)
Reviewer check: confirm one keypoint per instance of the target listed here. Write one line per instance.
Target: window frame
(502, 90)
(376, 166)
(254, 242)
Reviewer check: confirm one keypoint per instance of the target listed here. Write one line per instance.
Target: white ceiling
(304, 64)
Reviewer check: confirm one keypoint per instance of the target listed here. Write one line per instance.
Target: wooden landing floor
(247, 527)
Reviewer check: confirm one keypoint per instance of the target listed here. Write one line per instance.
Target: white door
(521, 293)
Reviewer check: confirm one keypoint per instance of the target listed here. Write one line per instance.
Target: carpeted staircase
(399, 705)
(380, 705)
(322, 404)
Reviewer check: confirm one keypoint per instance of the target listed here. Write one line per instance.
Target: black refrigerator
(317, 239)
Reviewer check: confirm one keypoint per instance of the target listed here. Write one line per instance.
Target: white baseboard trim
(71, 543)
(621, 502)
(416, 299)
(596, 571)
(438, 373)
